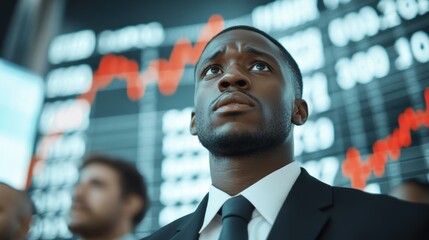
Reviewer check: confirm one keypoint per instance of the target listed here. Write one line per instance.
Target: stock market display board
(128, 91)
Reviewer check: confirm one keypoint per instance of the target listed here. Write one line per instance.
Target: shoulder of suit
(376, 202)
(169, 230)
(380, 213)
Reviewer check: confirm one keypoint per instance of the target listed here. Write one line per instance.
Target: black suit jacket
(314, 210)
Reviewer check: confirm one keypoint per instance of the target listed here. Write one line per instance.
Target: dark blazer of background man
(247, 100)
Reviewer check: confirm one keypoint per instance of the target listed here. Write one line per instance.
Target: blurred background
(116, 77)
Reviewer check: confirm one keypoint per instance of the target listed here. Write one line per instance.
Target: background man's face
(9, 221)
(242, 65)
(411, 192)
(97, 202)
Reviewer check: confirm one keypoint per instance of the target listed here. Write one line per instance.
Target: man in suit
(248, 97)
(109, 201)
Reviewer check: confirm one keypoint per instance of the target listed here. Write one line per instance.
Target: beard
(93, 226)
(263, 138)
(88, 230)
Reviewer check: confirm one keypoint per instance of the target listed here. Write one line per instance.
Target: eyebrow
(255, 51)
(210, 58)
(246, 49)
(98, 182)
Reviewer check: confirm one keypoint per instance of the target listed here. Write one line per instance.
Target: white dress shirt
(267, 195)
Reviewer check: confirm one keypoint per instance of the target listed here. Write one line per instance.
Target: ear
(300, 112)
(193, 127)
(133, 204)
(25, 226)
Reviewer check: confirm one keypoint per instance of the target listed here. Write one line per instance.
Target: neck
(122, 229)
(233, 174)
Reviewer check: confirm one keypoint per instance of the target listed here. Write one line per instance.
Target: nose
(78, 191)
(234, 78)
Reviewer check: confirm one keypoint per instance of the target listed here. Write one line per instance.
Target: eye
(212, 70)
(97, 183)
(260, 67)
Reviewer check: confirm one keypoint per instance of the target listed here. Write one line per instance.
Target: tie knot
(237, 206)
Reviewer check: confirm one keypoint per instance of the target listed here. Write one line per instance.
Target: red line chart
(167, 73)
(389, 148)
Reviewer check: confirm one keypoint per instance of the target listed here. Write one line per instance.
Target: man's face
(411, 192)
(243, 95)
(97, 201)
(9, 221)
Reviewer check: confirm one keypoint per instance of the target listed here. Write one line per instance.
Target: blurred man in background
(412, 190)
(16, 211)
(110, 199)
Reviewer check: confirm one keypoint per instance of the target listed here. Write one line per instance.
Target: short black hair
(131, 180)
(290, 61)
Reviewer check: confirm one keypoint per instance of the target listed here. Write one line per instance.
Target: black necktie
(236, 213)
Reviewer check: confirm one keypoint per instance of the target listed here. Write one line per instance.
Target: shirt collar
(273, 188)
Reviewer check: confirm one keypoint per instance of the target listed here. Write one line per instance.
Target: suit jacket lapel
(301, 216)
(188, 230)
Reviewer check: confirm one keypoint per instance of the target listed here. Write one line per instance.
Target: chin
(77, 222)
(239, 139)
(236, 129)
(230, 143)
(74, 227)
(81, 228)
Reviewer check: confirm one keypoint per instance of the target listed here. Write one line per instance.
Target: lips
(79, 206)
(233, 101)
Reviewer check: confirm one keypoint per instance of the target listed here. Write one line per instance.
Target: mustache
(77, 202)
(232, 91)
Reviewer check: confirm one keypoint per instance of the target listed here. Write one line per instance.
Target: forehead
(242, 41)
(100, 172)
